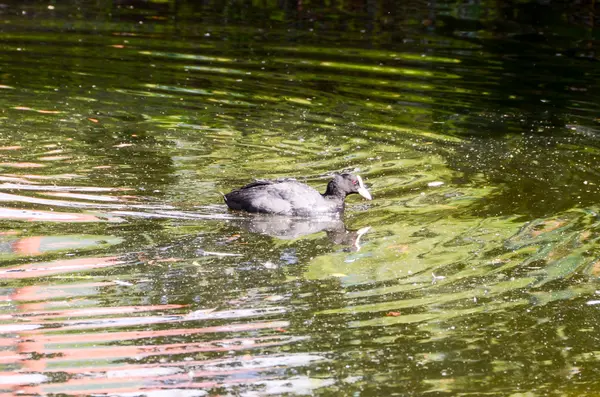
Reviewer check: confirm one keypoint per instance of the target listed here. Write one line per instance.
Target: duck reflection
(289, 228)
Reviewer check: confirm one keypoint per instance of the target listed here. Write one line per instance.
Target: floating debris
(435, 184)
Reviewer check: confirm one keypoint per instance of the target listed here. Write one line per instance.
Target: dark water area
(473, 271)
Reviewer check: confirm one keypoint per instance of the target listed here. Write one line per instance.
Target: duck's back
(283, 196)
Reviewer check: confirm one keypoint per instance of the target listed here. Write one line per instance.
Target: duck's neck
(334, 193)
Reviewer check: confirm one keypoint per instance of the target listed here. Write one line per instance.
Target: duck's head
(345, 184)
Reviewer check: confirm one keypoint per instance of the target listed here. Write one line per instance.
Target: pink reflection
(110, 322)
(97, 370)
(91, 311)
(50, 177)
(112, 353)
(38, 245)
(22, 165)
(132, 335)
(44, 216)
(57, 267)
(74, 204)
(46, 293)
(43, 111)
(54, 158)
(54, 188)
(15, 179)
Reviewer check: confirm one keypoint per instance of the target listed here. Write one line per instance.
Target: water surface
(473, 271)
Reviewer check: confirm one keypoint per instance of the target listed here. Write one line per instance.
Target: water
(473, 271)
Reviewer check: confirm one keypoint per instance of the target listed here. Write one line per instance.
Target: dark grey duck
(290, 197)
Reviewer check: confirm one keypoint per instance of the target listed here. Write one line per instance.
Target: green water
(474, 271)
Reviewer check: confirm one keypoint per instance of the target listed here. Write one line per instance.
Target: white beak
(362, 190)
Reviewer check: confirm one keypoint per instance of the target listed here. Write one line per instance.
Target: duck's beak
(362, 190)
(365, 193)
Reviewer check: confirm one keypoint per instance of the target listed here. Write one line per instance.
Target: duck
(292, 198)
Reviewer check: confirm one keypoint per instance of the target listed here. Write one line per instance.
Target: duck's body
(290, 197)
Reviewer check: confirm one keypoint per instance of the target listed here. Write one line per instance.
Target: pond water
(473, 271)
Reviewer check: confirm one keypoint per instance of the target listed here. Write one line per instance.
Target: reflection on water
(289, 228)
(473, 271)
